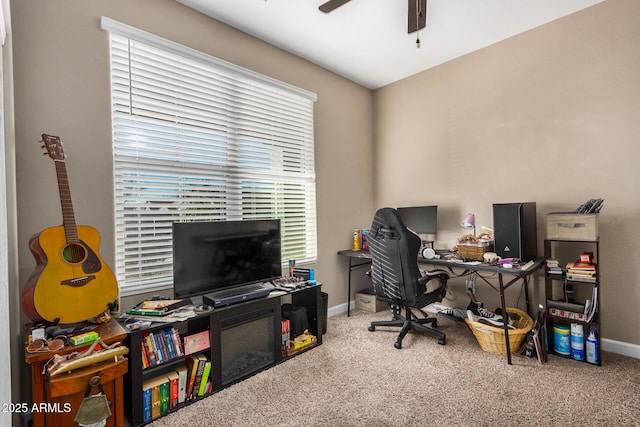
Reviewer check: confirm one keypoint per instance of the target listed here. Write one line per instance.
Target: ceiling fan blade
(417, 19)
(331, 5)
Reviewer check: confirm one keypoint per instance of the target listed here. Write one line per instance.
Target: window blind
(198, 139)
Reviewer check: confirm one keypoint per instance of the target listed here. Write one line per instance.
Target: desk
(363, 258)
(478, 269)
(357, 259)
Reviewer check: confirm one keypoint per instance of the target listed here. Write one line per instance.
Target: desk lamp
(469, 222)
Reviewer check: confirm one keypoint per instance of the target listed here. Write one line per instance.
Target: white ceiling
(366, 40)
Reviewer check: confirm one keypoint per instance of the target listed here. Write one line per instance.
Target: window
(198, 139)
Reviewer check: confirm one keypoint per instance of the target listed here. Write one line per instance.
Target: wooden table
(52, 394)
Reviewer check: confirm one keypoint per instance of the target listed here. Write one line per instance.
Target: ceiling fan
(416, 18)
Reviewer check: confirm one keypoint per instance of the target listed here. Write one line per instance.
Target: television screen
(420, 219)
(209, 256)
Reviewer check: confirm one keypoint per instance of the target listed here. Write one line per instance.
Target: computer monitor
(422, 220)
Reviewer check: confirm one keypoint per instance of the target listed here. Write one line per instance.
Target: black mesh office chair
(397, 278)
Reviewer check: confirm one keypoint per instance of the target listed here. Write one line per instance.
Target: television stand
(244, 339)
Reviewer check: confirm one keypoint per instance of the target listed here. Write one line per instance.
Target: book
(150, 351)
(553, 266)
(153, 385)
(177, 342)
(205, 378)
(165, 390)
(168, 343)
(196, 342)
(581, 266)
(162, 343)
(202, 360)
(285, 328)
(161, 358)
(192, 366)
(581, 278)
(174, 389)
(146, 401)
(182, 372)
(158, 307)
(145, 357)
(539, 337)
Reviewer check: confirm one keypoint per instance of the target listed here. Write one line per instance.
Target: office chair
(397, 279)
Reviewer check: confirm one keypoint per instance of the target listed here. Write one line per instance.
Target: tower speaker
(515, 232)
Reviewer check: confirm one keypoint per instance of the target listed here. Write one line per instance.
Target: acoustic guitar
(71, 283)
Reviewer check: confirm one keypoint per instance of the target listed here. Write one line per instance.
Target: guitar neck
(68, 217)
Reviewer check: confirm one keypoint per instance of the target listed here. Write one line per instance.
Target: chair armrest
(434, 274)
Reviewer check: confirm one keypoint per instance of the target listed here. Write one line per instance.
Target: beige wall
(62, 88)
(551, 116)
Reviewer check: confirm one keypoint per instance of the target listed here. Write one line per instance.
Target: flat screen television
(214, 255)
(422, 220)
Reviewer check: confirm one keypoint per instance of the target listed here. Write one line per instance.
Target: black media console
(245, 339)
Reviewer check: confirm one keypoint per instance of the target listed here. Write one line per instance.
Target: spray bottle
(592, 347)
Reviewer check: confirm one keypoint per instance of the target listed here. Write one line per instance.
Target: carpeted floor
(357, 378)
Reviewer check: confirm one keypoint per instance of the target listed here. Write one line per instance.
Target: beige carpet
(357, 378)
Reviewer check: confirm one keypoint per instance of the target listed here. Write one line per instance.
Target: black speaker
(515, 232)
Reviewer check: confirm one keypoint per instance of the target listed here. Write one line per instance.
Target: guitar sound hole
(74, 253)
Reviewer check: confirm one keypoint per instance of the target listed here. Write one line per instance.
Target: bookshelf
(572, 294)
(216, 343)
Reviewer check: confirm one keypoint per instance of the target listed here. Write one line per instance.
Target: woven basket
(491, 338)
(474, 251)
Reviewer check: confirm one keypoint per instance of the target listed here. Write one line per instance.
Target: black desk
(518, 275)
(363, 258)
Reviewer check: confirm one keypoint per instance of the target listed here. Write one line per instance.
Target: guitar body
(71, 283)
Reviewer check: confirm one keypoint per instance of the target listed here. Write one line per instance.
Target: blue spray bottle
(592, 347)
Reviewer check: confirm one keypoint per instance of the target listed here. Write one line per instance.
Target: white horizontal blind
(196, 139)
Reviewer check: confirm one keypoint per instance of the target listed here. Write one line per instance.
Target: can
(577, 341)
(357, 239)
(561, 339)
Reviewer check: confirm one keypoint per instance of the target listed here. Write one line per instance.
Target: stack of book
(198, 376)
(158, 307)
(163, 393)
(553, 266)
(581, 271)
(160, 346)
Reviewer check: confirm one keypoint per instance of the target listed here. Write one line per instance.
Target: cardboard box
(570, 226)
(367, 301)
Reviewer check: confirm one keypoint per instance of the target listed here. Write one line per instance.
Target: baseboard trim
(339, 309)
(613, 346)
(619, 347)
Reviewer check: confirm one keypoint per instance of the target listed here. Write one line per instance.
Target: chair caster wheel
(397, 345)
(442, 341)
(435, 324)
(372, 328)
